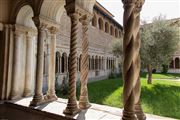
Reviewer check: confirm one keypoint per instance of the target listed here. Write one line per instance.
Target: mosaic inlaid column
(38, 96)
(51, 95)
(131, 63)
(29, 65)
(84, 100)
(72, 107)
(14, 94)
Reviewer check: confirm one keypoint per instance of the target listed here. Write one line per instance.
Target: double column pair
(131, 64)
(18, 37)
(72, 107)
(38, 96)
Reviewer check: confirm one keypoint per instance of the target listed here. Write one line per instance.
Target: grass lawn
(162, 75)
(161, 98)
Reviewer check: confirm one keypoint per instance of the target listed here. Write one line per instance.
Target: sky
(151, 9)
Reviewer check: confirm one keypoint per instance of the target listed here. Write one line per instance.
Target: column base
(84, 102)
(71, 109)
(14, 95)
(37, 100)
(129, 116)
(27, 93)
(50, 97)
(139, 112)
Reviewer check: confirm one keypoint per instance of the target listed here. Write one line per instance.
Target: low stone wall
(174, 71)
(10, 111)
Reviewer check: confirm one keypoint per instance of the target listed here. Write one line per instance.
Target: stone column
(38, 96)
(29, 65)
(84, 100)
(131, 63)
(51, 95)
(14, 94)
(72, 107)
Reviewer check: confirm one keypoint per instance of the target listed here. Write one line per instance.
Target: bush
(154, 71)
(164, 69)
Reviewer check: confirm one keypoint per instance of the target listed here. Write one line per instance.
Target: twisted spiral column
(131, 64)
(72, 108)
(84, 100)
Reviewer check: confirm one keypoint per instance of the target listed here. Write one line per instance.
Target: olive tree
(158, 43)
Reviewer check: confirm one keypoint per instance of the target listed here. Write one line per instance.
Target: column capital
(53, 30)
(74, 16)
(29, 34)
(40, 25)
(136, 3)
(85, 19)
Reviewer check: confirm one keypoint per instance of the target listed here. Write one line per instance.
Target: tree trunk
(149, 68)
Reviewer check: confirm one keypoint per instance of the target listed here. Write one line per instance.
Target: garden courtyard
(162, 97)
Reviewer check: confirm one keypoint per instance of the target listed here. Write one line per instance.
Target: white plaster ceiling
(24, 17)
(52, 9)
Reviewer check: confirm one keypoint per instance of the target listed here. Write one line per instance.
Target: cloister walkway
(95, 112)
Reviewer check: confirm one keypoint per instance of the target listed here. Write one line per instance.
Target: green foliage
(117, 50)
(164, 69)
(159, 42)
(117, 47)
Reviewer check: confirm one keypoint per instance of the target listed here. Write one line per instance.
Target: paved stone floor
(96, 111)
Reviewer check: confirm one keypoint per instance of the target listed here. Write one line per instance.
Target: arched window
(112, 30)
(58, 56)
(80, 58)
(94, 21)
(116, 33)
(96, 62)
(106, 27)
(171, 64)
(120, 34)
(99, 62)
(101, 24)
(64, 63)
(177, 63)
(92, 63)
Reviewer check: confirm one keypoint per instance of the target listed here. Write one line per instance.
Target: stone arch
(177, 63)
(64, 62)
(18, 7)
(52, 9)
(94, 21)
(24, 17)
(101, 23)
(112, 30)
(106, 27)
(116, 32)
